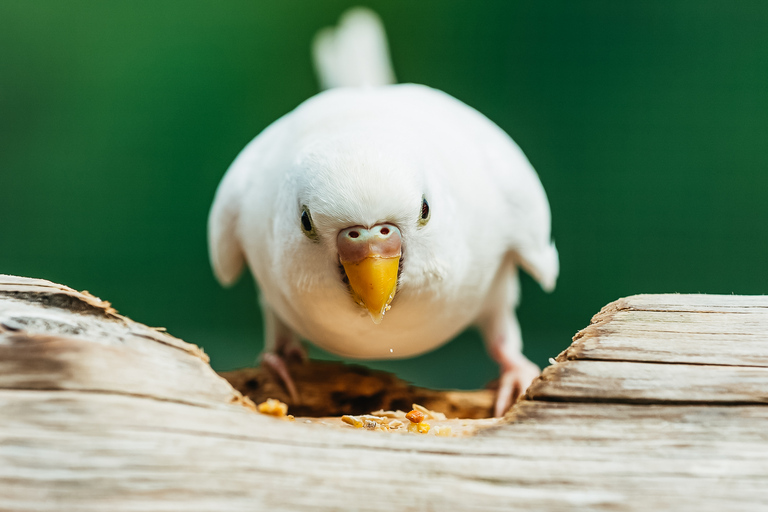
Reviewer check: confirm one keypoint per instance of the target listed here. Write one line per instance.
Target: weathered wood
(619, 381)
(689, 303)
(133, 441)
(709, 329)
(137, 454)
(53, 338)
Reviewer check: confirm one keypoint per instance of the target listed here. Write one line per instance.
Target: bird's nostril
(384, 231)
(354, 234)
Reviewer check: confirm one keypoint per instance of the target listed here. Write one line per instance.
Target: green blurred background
(646, 121)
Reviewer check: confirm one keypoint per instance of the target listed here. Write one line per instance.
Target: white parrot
(381, 220)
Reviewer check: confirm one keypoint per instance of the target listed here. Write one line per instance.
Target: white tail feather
(542, 264)
(354, 53)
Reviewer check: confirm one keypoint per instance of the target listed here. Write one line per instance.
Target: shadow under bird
(381, 219)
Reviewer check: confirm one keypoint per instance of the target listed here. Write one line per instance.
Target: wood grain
(138, 454)
(53, 338)
(710, 329)
(100, 413)
(620, 381)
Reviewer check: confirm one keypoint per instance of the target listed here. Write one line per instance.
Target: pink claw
(277, 364)
(512, 385)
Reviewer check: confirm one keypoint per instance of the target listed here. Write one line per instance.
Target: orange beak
(371, 260)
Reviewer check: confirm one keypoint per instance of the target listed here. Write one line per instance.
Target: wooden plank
(624, 344)
(56, 303)
(731, 332)
(102, 413)
(697, 323)
(691, 303)
(140, 454)
(636, 424)
(44, 346)
(619, 381)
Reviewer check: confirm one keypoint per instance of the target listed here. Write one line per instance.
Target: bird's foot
(516, 376)
(277, 364)
(294, 351)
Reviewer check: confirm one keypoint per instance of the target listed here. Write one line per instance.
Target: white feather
(360, 156)
(353, 54)
(224, 244)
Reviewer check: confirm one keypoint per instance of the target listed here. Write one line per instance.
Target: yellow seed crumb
(369, 422)
(430, 415)
(352, 420)
(273, 407)
(444, 430)
(421, 427)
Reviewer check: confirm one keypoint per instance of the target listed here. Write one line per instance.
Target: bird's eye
(306, 224)
(424, 216)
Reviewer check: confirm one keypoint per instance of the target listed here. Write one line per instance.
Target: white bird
(381, 220)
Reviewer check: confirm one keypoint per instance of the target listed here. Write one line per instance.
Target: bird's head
(360, 205)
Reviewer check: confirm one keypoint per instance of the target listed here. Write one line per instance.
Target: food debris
(389, 421)
(372, 422)
(444, 431)
(415, 416)
(421, 427)
(352, 420)
(417, 423)
(276, 408)
(430, 415)
(388, 414)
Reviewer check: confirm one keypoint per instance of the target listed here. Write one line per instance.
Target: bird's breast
(416, 323)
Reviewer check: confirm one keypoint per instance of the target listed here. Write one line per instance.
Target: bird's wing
(354, 53)
(243, 193)
(529, 226)
(223, 243)
(493, 169)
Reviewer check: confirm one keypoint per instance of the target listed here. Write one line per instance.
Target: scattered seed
(387, 414)
(273, 407)
(352, 420)
(415, 416)
(421, 428)
(431, 415)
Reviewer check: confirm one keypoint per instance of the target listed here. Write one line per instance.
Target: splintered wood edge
(77, 352)
(660, 303)
(605, 315)
(678, 349)
(42, 290)
(39, 291)
(541, 456)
